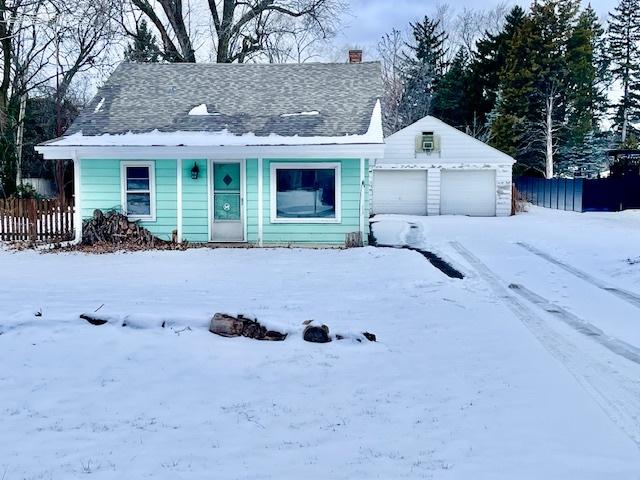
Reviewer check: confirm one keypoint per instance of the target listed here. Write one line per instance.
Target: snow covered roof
(223, 137)
(232, 104)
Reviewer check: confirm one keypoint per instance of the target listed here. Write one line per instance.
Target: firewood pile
(114, 231)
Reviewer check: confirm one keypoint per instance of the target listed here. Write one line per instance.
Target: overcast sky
(370, 19)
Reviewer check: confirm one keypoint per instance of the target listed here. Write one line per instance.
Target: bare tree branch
(241, 28)
(391, 52)
(171, 51)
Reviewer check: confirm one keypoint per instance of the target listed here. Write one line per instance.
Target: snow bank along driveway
(459, 385)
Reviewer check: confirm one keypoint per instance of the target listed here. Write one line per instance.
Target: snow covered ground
(602, 246)
(469, 379)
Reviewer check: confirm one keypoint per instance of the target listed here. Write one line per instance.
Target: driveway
(573, 280)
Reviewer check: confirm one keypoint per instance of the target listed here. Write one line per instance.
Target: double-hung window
(305, 193)
(138, 190)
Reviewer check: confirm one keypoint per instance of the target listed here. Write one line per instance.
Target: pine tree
(554, 20)
(144, 48)
(451, 99)
(422, 69)
(429, 47)
(586, 159)
(516, 87)
(587, 79)
(488, 62)
(534, 85)
(624, 49)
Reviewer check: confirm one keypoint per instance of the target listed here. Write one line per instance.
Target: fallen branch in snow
(233, 326)
(93, 320)
(178, 332)
(230, 326)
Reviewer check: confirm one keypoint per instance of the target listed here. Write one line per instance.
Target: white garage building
(431, 168)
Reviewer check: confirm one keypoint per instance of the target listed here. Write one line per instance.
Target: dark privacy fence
(582, 195)
(557, 193)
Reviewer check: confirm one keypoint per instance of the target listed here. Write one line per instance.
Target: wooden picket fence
(42, 221)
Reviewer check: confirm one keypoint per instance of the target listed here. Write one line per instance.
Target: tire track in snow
(625, 295)
(617, 346)
(616, 394)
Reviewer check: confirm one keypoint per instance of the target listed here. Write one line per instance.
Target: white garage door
(468, 192)
(400, 191)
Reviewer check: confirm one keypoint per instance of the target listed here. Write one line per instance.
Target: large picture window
(305, 193)
(138, 190)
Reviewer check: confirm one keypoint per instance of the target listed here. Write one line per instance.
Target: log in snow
(93, 320)
(241, 326)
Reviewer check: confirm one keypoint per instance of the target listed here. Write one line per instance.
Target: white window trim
(152, 189)
(310, 166)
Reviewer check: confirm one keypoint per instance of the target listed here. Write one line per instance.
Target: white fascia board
(441, 163)
(55, 153)
(356, 151)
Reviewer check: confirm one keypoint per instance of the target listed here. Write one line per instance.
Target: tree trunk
(224, 32)
(173, 11)
(625, 114)
(6, 36)
(19, 137)
(223, 49)
(59, 175)
(549, 139)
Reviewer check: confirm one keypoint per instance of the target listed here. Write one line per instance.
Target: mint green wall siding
(316, 233)
(101, 185)
(195, 202)
(166, 201)
(251, 199)
(101, 189)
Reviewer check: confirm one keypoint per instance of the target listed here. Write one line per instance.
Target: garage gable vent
(427, 142)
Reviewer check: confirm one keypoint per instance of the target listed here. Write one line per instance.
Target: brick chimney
(355, 56)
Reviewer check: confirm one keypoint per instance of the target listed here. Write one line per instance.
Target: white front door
(227, 223)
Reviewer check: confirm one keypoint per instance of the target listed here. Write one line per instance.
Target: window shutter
(436, 143)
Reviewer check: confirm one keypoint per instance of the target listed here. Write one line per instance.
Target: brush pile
(114, 231)
(114, 228)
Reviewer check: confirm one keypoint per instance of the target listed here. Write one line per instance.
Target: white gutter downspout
(179, 199)
(260, 201)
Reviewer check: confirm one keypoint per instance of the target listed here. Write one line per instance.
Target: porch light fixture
(195, 171)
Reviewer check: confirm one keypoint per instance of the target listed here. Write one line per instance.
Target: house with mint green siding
(264, 154)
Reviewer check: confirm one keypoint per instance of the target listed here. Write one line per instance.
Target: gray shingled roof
(249, 98)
